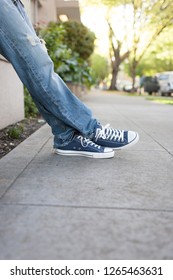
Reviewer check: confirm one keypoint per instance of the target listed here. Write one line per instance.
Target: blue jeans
(61, 109)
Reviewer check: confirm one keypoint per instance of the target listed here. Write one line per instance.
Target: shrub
(68, 63)
(79, 38)
(15, 132)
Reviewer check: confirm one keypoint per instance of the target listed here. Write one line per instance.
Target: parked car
(149, 84)
(166, 83)
(128, 87)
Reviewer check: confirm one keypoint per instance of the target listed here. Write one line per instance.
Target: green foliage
(158, 58)
(62, 47)
(15, 132)
(79, 38)
(110, 3)
(29, 105)
(72, 68)
(100, 68)
(113, 3)
(144, 68)
(53, 35)
(143, 22)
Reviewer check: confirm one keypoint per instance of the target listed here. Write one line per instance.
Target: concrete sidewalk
(54, 207)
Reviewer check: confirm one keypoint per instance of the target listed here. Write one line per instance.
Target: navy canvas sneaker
(114, 138)
(81, 146)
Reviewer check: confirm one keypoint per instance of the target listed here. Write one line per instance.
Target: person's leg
(65, 113)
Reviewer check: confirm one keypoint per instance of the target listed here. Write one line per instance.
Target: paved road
(54, 207)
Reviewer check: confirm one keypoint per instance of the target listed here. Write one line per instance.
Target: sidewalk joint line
(88, 207)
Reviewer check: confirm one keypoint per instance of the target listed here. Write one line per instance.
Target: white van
(165, 80)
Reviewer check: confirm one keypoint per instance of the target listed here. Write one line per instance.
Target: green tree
(100, 68)
(78, 38)
(116, 56)
(150, 20)
(158, 58)
(143, 22)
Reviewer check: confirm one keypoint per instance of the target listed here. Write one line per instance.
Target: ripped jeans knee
(33, 40)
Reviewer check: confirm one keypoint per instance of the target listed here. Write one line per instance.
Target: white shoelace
(108, 133)
(86, 141)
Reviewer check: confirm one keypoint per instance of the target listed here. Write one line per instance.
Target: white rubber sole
(108, 154)
(130, 144)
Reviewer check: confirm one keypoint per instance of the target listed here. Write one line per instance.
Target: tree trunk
(133, 80)
(133, 73)
(113, 85)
